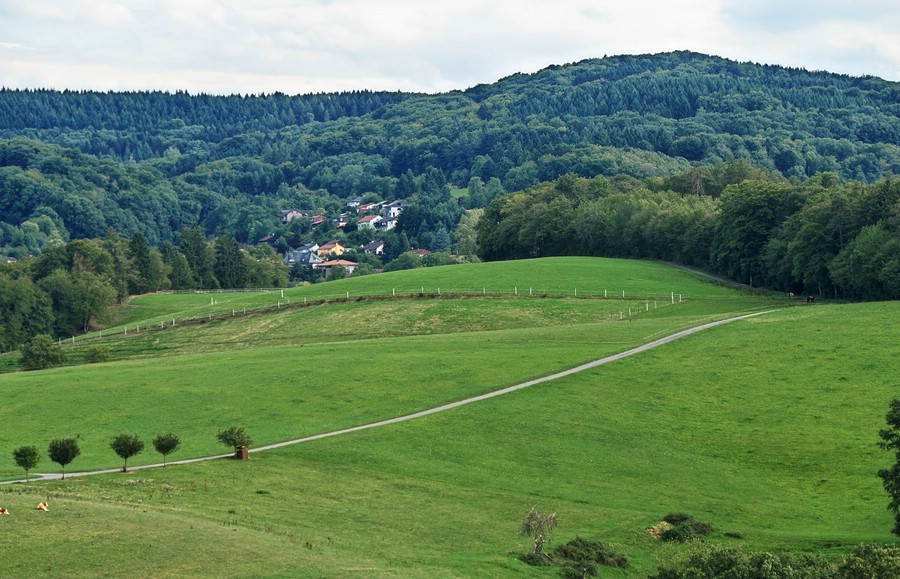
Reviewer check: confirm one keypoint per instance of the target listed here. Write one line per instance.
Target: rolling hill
(764, 427)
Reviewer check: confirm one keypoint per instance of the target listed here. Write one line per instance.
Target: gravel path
(435, 410)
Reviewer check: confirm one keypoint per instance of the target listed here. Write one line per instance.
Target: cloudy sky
(301, 46)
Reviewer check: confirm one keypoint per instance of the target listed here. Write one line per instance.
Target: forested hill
(154, 162)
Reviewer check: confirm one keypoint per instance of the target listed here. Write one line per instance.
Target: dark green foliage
(126, 446)
(822, 237)
(577, 558)
(718, 561)
(865, 562)
(890, 477)
(41, 352)
(235, 437)
(166, 444)
(97, 354)
(685, 528)
(63, 451)
(153, 163)
(25, 311)
(580, 557)
(870, 562)
(26, 457)
(678, 518)
(536, 559)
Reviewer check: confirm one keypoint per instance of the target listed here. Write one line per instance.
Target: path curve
(420, 414)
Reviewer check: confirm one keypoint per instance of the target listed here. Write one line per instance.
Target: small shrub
(96, 354)
(581, 557)
(42, 352)
(677, 518)
(684, 528)
(536, 559)
(734, 534)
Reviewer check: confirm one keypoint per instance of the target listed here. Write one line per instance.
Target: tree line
(71, 285)
(74, 164)
(823, 236)
(63, 451)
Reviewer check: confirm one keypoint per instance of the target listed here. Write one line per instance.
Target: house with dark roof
(374, 248)
(303, 255)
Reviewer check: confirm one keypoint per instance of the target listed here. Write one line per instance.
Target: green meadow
(765, 427)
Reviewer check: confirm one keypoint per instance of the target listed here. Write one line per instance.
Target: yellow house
(331, 248)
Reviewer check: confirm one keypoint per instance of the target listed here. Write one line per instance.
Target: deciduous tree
(166, 444)
(126, 446)
(63, 451)
(26, 457)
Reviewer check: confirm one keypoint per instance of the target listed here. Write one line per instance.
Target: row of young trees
(63, 451)
(822, 236)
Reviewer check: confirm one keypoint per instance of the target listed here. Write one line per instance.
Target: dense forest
(773, 176)
(75, 164)
(822, 236)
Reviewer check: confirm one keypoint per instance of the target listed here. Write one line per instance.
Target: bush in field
(235, 437)
(41, 352)
(97, 354)
(581, 557)
(685, 528)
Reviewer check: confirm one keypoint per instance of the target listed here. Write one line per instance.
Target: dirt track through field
(420, 414)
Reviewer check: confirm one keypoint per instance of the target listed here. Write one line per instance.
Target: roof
(341, 262)
(420, 251)
(369, 218)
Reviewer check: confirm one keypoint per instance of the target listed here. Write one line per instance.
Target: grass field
(766, 427)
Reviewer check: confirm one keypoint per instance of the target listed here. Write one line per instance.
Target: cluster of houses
(316, 256)
(377, 216)
(380, 216)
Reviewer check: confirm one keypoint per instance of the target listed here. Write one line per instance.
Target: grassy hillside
(765, 427)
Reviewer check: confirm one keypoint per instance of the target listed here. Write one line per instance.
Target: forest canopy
(76, 163)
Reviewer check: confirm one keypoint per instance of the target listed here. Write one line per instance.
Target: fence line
(345, 297)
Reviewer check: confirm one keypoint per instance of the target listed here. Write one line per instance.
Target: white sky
(302, 46)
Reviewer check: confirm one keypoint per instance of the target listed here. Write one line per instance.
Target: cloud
(292, 46)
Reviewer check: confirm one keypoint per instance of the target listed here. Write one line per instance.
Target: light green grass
(565, 276)
(766, 427)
